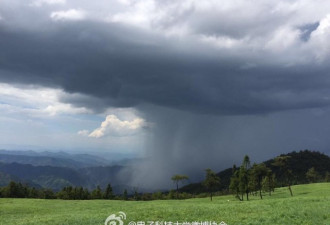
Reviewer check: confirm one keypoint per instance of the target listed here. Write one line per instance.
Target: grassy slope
(310, 205)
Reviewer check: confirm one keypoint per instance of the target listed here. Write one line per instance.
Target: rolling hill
(299, 163)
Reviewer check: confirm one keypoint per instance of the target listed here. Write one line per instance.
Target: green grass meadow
(309, 205)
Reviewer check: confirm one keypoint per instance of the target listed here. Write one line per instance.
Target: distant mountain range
(58, 177)
(56, 170)
(57, 159)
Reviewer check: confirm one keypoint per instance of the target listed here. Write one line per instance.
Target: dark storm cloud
(188, 143)
(307, 29)
(127, 67)
(216, 79)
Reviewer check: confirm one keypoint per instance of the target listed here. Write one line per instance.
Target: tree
(22, 190)
(243, 182)
(259, 171)
(77, 193)
(211, 182)
(80, 193)
(69, 191)
(312, 175)
(63, 194)
(246, 162)
(97, 193)
(234, 183)
(253, 181)
(48, 194)
(244, 176)
(86, 194)
(108, 192)
(177, 179)
(33, 193)
(171, 194)
(136, 194)
(157, 195)
(282, 162)
(11, 190)
(125, 197)
(327, 177)
(268, 183)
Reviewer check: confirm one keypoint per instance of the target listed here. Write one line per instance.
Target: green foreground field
(309, 205)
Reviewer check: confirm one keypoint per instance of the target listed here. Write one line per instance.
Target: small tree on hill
(253, 181)
(259, 171)
(177, 179)
(269, 182)
(244, 182)
(234, 183)
(244, 177)
(282, 162)
(211, 182)
(312, 175)
(246, 162)
(327, 177)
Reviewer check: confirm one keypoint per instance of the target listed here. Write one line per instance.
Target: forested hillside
(299, 163)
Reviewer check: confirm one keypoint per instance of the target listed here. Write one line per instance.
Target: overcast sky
(182, 82)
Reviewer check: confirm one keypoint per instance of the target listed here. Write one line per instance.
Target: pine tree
(244, 176)
(125, 196)
(211, 182)
(108, 192)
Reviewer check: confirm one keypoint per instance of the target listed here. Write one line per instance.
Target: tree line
(255, 180)
(246, 180)
(19, 190)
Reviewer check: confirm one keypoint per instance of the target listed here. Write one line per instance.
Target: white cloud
(138, 14)
(125, 2)
(319, 39)
(112, 125)
(60, 108)
(39, 3)
(221, 42)
(324, 26)
(83, 132)
(71, 14)
(35, 101)
(283, 39)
